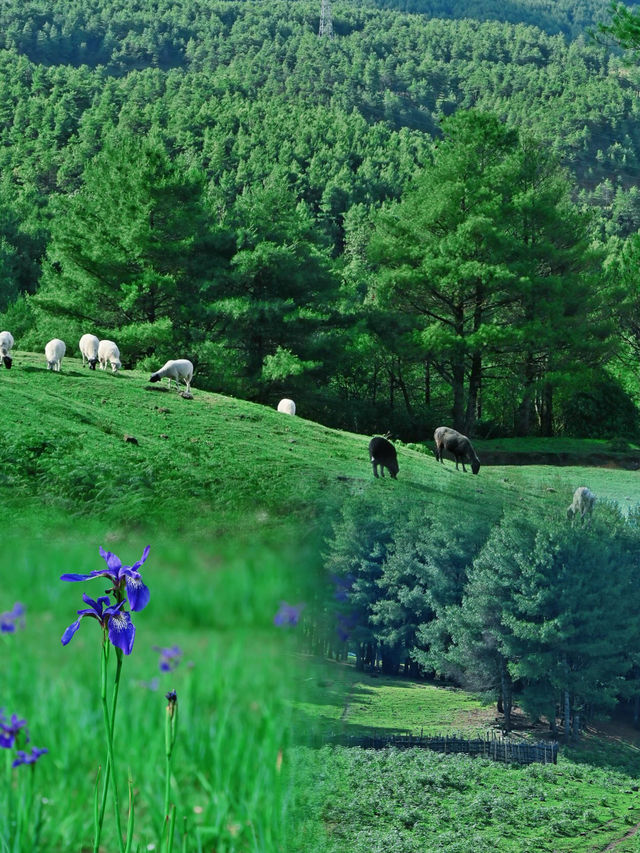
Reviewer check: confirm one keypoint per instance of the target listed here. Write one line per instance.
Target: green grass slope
(364, 800)
(234, 499)
(213, 458)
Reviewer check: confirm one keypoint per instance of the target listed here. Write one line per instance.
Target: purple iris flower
(121, 629)
(121, 576)
(288, 614)
(9, 730)
(169, 658)
(12, 619)
(29, 758)
(343, 586)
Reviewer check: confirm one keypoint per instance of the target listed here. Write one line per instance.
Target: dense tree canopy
(520, 610)
(491, 265)
(276, 150)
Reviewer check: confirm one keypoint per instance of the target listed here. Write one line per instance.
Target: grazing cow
(383, 453)
(458, 445)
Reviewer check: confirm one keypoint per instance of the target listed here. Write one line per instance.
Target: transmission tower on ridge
(326, 24)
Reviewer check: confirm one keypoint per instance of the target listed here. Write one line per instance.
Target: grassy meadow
(214, 460)
(213, 599)
(235, 500)
(356, 800)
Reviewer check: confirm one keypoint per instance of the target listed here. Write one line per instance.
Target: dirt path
(612, 846)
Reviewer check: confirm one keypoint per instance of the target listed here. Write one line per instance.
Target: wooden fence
(491, 746)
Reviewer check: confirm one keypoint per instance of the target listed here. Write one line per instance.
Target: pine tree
(552, 608)
(489, 260)
(134, 246)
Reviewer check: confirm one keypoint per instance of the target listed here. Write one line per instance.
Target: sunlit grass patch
(341, 700)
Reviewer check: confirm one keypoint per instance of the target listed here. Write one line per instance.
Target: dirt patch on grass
(633, 831)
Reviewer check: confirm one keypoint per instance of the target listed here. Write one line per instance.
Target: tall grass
(235, 684)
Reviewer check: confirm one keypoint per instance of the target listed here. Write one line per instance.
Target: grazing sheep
(383, 453)
(54, 352)
(583, 502)
(109, 352)
(458, 445)
(89, 348)
(287, 406)
(176, 369)
(6, 345)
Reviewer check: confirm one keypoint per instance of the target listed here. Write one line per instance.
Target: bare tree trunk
(427, 382)
(474, 390)
(506, 689)
(405, 393)
(457, 412)
(576, 725)
(524, 411)
(457, 375)
(547, 410)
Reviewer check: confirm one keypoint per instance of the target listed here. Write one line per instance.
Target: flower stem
(112, 719)
(130, 818)
(172, 826)
(109, 720)
(9, 790)
(170, 734)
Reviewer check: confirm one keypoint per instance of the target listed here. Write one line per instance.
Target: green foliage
(402, 568)
(265, 154)
(358, 800)
(534, 604)
(602, 409)
(488, 261)
(130, 246)
(280, 290)
(624, 27)
(515, 612)
(283, 364)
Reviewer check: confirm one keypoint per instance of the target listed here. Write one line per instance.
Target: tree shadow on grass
(607, 747)
(317, 731)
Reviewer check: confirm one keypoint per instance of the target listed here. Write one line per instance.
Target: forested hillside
(571, 17)
(207, 178)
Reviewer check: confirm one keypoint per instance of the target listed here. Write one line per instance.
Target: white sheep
(583, 502)
(176, 369)
(287, 406)
(6, 345)
(109, 352)
(54, 351)
(89, 348)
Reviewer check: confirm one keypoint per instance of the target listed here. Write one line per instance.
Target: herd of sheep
(382, 453)
(95, 351)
